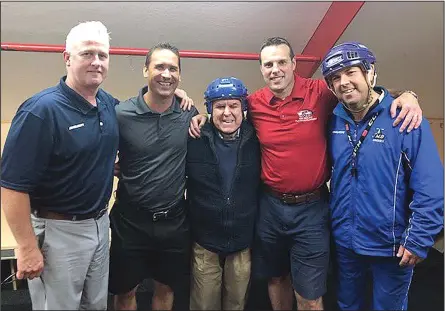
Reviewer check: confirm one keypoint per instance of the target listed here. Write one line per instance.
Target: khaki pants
(210, 280)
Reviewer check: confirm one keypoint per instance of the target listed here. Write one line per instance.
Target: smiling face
(278, 68)
(350, 87)
(162, 73)
(227, 115)
(87, 64)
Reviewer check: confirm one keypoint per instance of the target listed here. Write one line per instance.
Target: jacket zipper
(228, 195)
(235, 175)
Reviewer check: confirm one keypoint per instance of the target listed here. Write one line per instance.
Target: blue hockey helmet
(225, 88)
(345, 55)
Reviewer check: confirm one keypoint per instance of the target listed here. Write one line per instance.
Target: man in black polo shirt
(58, 165)
(150, 231)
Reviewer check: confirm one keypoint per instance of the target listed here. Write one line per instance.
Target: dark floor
(426, 293)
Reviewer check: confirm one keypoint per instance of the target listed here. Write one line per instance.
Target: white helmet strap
(371, 76)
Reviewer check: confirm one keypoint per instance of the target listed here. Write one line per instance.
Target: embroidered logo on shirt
(305, 116)
(378, 136)
(72, 127)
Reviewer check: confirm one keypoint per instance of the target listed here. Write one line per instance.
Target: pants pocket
(39, 226)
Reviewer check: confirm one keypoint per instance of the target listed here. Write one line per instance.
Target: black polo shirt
(61, 150)
(152, 151)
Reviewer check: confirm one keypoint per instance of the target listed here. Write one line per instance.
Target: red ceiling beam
(334, 23)
(50, 48)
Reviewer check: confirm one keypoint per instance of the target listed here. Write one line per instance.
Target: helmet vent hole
(352, 55)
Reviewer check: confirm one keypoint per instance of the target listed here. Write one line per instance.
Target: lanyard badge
(356, 147)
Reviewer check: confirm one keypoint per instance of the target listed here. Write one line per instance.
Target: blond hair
(87, 31)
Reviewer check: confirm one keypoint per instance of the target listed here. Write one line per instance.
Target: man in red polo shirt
(290, 116)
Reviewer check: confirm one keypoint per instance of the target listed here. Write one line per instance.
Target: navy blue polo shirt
(61, 150)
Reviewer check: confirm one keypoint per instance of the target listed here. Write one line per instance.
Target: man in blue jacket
(223, 175)
(386, 187)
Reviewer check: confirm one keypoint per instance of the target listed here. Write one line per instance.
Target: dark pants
(293, 238)
(142, 248)
(390, 281)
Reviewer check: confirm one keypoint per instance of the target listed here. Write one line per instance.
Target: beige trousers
(216, 287)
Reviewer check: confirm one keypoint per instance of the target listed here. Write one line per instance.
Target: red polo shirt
(292, 133)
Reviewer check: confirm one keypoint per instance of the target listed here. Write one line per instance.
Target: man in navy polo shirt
(58, 166)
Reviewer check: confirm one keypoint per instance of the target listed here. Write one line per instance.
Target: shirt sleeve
(195, 111)
(26, 153)
(115, 101)
(426, 181)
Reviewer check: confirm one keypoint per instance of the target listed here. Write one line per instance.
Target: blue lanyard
(357, 146)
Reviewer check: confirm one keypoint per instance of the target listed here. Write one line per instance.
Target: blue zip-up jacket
(396, 197)
(223, 222)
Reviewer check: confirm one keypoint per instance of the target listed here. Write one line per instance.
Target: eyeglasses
(10, 279)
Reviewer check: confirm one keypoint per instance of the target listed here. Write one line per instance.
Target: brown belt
(42, 213)
(295, 198)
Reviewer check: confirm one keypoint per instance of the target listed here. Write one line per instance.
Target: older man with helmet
(386, 187)
(223, 176)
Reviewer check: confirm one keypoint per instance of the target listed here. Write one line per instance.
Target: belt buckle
(289, 198)
(157, 214)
